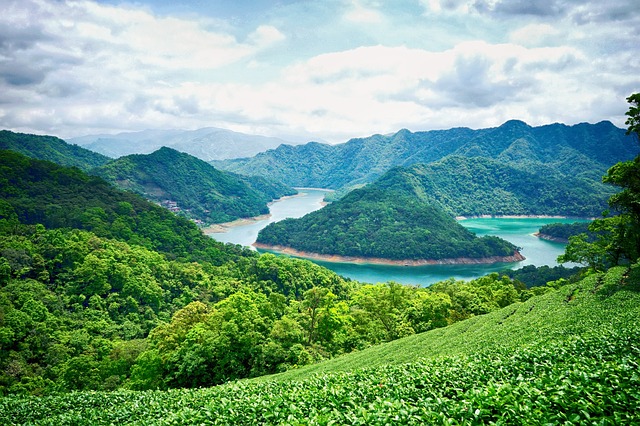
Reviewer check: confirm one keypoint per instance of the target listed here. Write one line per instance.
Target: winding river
(519, 231)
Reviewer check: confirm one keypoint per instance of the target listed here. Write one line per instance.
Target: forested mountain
(208, 143)
(470, 186)
(408, 213)
(387, 223)
(52, 149)
(192, 187)
(582, 150)
(41, 192)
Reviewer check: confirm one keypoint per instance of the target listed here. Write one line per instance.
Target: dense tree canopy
(618, 235)
(193, 187)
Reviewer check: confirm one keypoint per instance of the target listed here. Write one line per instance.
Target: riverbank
(224, 227)
(516, 257)
(550, 238)
(522, 216)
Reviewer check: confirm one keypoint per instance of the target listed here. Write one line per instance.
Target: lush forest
(100, 289)
(52, 149)
(391, 224)
(567, 357)
(82, 309)
(193, 187)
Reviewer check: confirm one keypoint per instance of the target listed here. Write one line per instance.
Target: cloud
(360, 13)
(349, 68)
(522, 7)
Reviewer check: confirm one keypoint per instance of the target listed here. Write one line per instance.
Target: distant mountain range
(580, 151)
(208, 143)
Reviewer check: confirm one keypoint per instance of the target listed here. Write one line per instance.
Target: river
(519, 231)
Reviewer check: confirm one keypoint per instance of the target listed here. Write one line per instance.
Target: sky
(314, 70)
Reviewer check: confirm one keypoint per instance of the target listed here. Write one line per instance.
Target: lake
(518, 231)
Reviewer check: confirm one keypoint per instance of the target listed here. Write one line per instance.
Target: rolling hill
(51, 148)
(191, 186)
(566, 357)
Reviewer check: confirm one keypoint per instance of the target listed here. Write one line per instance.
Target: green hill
(392, 224)
(52, 149)
(465, 186)
(567, 357)
(192, 187)
(41, 192)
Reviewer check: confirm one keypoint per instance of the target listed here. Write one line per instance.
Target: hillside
(51, 148)
(582, 151)
(192, 187)
(472, 186)
(41, 192)
(208, 143)
(566, 357)
(381, 224)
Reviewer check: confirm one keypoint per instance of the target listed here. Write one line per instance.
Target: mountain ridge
(362, 160)
(191, 186)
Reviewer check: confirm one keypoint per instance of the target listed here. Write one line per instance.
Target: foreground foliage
(575, 361)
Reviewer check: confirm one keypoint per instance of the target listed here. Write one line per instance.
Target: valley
(518, 230)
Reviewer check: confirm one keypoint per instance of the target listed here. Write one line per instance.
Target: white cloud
(77, 67)
(362, 14)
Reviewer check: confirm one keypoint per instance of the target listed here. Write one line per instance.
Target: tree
(618, 237)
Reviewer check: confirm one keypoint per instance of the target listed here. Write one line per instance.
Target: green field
(566, 357)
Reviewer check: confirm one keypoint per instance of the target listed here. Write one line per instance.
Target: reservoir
(518, 231)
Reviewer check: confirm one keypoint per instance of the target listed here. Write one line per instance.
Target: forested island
(561, 232)
(392, 226)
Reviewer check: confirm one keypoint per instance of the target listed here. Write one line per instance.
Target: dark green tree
(617, 237)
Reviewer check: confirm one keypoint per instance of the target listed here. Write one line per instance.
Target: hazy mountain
(52, 149)
(584, 149)
(192, 187)
(207, 144)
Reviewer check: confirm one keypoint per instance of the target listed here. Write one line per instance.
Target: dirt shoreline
(522, 216)
(217, 228)
(516, 257)
(550, 238)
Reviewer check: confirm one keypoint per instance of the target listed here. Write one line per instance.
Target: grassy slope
(572, 310)
(570, 356)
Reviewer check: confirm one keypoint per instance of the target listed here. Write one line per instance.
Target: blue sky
(313, 70)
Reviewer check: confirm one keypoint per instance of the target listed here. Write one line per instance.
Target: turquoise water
(519, 231)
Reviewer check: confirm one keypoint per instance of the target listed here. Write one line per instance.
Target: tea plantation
(566, 357)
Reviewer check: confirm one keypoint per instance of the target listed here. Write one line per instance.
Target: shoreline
(516, 257)
(550, 238)
(218, 228)
(523, 216)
